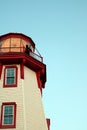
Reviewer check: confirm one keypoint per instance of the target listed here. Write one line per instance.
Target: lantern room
(15, 42)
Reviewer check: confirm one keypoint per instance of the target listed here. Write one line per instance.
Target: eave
(26, 60)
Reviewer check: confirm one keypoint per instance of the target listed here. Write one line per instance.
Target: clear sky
(59, 29)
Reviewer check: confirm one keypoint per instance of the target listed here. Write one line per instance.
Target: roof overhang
(28, 61)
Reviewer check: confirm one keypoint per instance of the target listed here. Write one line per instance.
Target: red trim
(39, 81)
(15, 109)
(48, 123)
(22, 71)
(12, 85)
(17, 35)
(1, 67)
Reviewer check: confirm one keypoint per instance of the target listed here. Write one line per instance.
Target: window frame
(14, 115)
(5, 78)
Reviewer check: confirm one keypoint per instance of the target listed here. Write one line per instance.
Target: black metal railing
(28, 52)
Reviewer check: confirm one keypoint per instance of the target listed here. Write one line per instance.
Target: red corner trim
(1, 67)
(39, 81)
(15, 109)
(48, 123)
(22, 71)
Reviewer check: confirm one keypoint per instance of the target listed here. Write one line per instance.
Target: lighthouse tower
(22, 78)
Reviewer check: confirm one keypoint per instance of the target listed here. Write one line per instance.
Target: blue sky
(59, 29)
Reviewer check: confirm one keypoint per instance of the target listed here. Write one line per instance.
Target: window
(8, 117)
(10, 76)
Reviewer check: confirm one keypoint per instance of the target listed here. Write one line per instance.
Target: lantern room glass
(14, 45)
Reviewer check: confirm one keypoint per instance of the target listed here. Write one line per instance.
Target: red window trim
(12, 85)
(15, 109)
(1, 67)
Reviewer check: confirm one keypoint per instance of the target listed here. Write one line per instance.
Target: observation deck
(20, 50)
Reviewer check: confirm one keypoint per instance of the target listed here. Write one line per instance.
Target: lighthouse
(22, 79)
